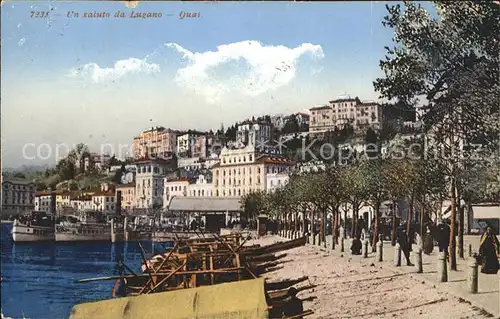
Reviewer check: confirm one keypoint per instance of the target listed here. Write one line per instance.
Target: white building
(42, 201)
(201, 188)
(149, 183)
(276, 180)
(345, 110)
(174, 187)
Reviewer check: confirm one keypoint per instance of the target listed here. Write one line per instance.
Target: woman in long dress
(489, 252)
(428, 239)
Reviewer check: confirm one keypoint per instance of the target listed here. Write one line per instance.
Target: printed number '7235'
(39, 14)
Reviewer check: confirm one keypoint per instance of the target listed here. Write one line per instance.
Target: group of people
(489, 249)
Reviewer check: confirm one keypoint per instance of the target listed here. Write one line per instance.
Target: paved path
(488, 296)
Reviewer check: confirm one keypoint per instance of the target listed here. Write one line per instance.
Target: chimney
(118, 205)
(53, 203)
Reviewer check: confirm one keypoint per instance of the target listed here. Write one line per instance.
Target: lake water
(38, 279)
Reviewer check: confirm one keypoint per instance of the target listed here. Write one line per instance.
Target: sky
(101, 81)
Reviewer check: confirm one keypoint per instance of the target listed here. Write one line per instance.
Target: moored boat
(92, 226)
(38, 226)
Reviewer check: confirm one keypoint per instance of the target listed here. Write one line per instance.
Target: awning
(235, 300)
(486, 212)
(205, 204)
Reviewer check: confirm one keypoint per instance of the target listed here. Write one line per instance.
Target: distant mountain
(26, 168)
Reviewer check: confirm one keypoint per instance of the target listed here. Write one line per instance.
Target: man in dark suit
(443, 237)
(404, 242)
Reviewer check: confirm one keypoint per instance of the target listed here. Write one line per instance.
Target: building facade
(201, 188)
(157, 142)
(174, 187)
(242, 171)
(256, 133)
(192, 144)
(343, 111)
(83, 203)
(149, 182)
(128, 200)
(18, 197)
(104, 201)
(42, 201)
(276, 181)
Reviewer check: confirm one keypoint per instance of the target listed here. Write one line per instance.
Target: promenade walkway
(487, 298)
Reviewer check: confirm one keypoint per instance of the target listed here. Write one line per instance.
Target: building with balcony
(149, 182)
(157, 142)
(18, 197)
(242, 171)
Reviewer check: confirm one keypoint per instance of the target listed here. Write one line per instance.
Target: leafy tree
(40, 186)
(372, 145)
(453, 62)
(73, 185)
(66, 169)
(356, 191)
(254, 204)
(77, 156)
(376, 189)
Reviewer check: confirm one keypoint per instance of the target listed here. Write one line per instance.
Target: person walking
(428, 241)
(489, 252)
(443, 237)
(404, 242)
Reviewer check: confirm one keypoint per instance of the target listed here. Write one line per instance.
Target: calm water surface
(38, 279)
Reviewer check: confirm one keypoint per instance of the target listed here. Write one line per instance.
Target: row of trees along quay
(448, 64)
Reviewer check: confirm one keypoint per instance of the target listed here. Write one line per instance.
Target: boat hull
(24, 233)
(68, 237)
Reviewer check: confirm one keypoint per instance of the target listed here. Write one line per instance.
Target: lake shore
(353, 287)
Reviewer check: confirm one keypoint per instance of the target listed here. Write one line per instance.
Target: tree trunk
(321, 227)
(394, 227)
(355, 213)
(411, 213)
(376, 226)
(453, 206)
(304, 222)
(422, 216)
(345, 222)
(313, 230)
(460, 229)
(325, 217)
(337, 226)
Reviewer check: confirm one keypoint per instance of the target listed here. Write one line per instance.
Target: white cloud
(121, 68)
(267, 68)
